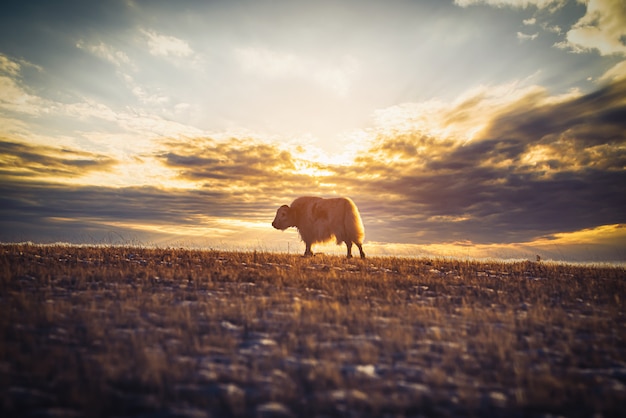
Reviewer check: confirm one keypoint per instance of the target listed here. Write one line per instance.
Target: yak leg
(360, 246)
(307, 251)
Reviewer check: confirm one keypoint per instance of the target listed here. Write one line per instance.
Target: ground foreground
(175, 332)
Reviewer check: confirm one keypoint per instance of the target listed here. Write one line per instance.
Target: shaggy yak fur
(319, 220)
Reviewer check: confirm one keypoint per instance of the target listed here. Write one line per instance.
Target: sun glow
(311, 169)
(312, 153)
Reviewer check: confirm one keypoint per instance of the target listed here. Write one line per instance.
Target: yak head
(284, 218)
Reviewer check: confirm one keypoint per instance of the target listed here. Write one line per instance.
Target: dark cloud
(491, 186)
(242, 180)
(133, 204)
(592, 119)
(235, 160)
(24, 160)
(52, 212)
(262, 171)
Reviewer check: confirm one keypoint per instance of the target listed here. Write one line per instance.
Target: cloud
(130, 71)
(125, 68)
(51, 212)
(9, 66)
(15, 96)
(233, 160)
(602, 28)
(249, 168)
(167, 46)
(590, 120)
(615, 73)
(175, 51)
(127, 129)
(463, 118)
(20, 160)
(530, 22)
(601, 244)
(539, 167)
(108, 53)
(525, 37)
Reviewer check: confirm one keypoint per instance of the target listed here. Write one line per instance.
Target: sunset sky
(467, 128)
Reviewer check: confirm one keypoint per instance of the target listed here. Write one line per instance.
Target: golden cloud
(21, 160)
(244, 167)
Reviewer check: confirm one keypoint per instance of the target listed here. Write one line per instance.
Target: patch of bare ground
(181, 333)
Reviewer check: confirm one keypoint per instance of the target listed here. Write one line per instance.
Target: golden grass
(176, 332)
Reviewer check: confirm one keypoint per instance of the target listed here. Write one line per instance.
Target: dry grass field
(90, 331)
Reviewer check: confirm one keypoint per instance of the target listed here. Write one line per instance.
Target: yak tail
(353, 224)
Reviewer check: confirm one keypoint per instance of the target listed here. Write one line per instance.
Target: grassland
(89, 331)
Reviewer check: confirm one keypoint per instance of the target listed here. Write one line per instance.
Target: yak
(319, 220)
